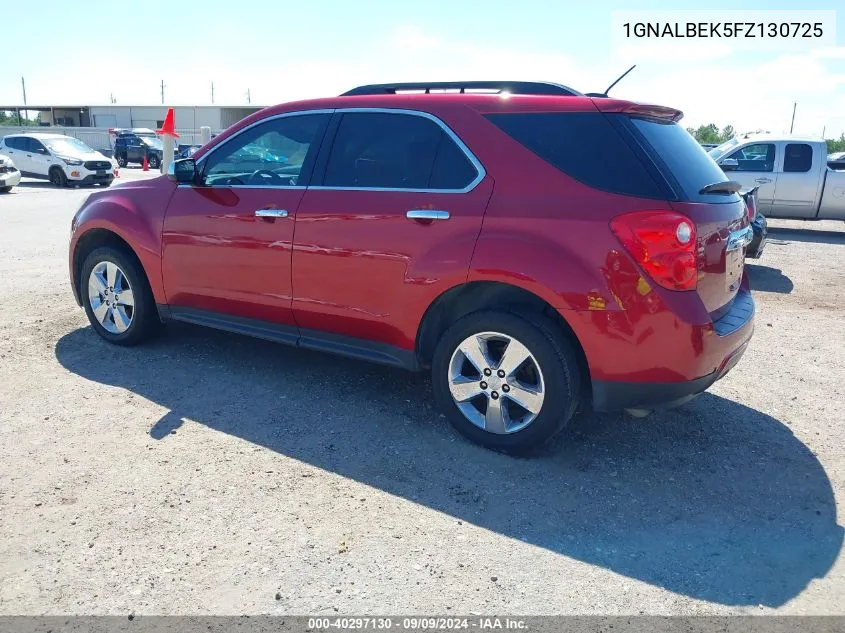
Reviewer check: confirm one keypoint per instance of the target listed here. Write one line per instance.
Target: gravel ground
(208, 473)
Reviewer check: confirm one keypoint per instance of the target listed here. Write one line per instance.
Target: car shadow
(768, 279)
(46, 184)
(805, 235)
(715, 500)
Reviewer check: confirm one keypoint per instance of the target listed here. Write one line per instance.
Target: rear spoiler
(642, 110)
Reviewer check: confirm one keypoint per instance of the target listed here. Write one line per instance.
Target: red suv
(535, 248)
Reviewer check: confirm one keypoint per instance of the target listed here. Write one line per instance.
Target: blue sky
(288, 50)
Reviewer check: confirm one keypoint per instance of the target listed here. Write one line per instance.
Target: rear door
(799, 181)
(756, 168)
(391, 223)
(16, 147)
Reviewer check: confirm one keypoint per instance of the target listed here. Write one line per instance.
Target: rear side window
(396, 151)
(798, 157)
(15, 142)
(682, 159)
(585, 146)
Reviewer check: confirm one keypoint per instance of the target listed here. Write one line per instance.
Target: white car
(63, 160)
(9, 174)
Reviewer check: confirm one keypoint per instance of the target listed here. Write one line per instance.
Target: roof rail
(512, 87)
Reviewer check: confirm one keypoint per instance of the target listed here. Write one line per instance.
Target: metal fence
(96, 137)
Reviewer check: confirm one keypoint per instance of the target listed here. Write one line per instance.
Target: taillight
(751, 205)
(662, 243)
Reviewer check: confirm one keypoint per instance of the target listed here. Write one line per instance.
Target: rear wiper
(728, 186)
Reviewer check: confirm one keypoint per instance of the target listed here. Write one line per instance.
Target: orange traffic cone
(169, 126)
(145, 165)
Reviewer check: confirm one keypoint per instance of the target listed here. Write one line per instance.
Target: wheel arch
(459, 301)
(91, 240)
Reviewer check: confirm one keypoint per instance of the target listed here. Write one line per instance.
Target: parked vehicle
(793, 174)
(758, 223)
(480, 236)
(63, 160)
(9, 174)
(836, 160)
(132, 148)
(186, 151)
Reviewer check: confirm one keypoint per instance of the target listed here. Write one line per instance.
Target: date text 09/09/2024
(416, 623)
(726, 30)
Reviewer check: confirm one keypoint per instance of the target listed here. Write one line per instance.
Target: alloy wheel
(111, 298)
(496, 382)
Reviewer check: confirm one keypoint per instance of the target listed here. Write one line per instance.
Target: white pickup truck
(793, 174)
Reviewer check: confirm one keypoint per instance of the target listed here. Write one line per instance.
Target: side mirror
(729, 164)
(183, 170)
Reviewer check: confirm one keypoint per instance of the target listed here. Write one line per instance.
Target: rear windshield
(585, 146)
(681, 158)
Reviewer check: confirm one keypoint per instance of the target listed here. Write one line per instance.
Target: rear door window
(681, 159)
(798, 157)
(382, 150)
(585, 146)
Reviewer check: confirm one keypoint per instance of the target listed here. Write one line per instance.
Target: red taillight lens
(662, 243)
(751, 205)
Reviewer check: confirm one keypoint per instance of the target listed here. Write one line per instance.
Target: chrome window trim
(479, 168)
(481, 173)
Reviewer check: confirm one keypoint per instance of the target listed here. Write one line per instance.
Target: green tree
(710, 133)
(10, 118)
(836, 145)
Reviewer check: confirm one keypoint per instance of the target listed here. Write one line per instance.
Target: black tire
(557, 362)
(121, 160)
(154, 162)
(57, 177)
(5, 189)
(145, 321)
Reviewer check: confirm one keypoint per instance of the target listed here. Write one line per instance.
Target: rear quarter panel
(135, 212)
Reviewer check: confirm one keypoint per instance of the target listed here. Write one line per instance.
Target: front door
(390, 225)
(756, 168)
(40, 159)
(227, 240)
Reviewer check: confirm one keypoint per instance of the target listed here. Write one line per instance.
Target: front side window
(35, 146)
(798, 157)
(272, 154)
(383, 150)
(757, 157)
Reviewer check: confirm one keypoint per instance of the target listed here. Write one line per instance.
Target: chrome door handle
(427, 214)
(762, 181)
(271, 213)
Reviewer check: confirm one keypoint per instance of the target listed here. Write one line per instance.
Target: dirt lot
(208, 473)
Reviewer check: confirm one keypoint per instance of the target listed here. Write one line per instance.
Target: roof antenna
(621, 77)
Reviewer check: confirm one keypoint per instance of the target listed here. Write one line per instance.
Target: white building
(92, 123)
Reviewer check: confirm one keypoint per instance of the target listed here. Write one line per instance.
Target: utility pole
(792, 125)
(823, 130)
(248, 98)
(162, 92)
(112, 100)
(212, 93)
(23, 87)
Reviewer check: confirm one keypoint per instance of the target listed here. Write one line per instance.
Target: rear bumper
(758, 243)
(615, 396)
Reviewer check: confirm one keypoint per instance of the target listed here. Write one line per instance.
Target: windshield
(155, 143)
(67, 146)
(717, 152)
